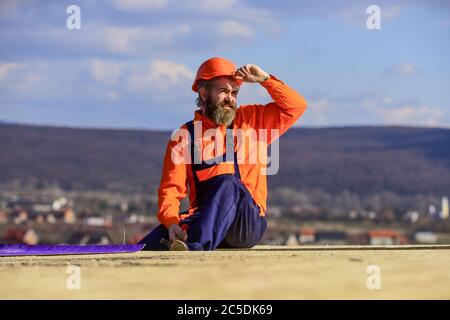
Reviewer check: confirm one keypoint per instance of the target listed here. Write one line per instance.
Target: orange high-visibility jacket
(177, 178)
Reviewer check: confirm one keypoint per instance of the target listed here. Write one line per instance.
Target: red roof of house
(385, 233)
(307, 231)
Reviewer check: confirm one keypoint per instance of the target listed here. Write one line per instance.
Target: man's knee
(234, 242)
(239, 240)
(245, 233)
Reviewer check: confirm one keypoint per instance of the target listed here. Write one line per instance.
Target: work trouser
(228, 218)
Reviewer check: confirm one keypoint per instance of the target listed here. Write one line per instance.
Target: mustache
(227, 104)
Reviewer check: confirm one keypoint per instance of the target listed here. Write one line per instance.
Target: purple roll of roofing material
(49, 250)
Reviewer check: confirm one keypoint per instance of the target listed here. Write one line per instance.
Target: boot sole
(178, 245)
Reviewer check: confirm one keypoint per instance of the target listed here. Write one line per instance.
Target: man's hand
(175, 233)
(251, 73)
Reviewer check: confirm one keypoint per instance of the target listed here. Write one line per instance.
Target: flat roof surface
(264, 272)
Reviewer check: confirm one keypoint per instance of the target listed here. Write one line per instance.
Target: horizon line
(335, 126)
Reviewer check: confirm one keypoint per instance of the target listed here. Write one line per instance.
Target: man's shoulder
(247, 109)
(247, 112)
(184, 126)
(179, 134)
(248, 106)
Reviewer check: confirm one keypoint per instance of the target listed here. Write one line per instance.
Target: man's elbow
(300, 108)
(302, 103)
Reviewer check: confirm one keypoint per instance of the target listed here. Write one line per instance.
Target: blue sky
(132, 63)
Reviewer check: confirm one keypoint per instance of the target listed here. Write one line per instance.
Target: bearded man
(228, 198)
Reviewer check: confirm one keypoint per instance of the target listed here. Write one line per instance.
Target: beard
(218, 113)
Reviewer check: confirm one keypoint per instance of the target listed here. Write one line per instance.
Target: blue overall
(227, 215)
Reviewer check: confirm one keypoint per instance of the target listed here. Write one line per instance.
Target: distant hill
(363, 160)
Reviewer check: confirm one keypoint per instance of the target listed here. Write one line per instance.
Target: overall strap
(190, 127)
(230, 149)
(212, 162)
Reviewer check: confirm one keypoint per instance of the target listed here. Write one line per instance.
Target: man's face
(221, 100)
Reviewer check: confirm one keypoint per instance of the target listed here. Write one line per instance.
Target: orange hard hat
(214, 67)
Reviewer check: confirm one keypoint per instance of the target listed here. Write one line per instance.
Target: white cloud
(231, 28)
(98, 40)
(21, 76)
(191, 26)
(403, 69)
(23, 82)
(161, 75)
(234, 15)
(318, 113)
(167, 70)
(393, 111)
(139, 5)
(370, 108)
(252, 93)
(390, 12)
(5, 69)
(112, 95)
(106, 71)
(210, 5)
(8, 7)
(138, 40)
(417, 115)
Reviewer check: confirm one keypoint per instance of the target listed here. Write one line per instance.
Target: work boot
(178, 245)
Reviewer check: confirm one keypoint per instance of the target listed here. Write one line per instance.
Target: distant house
(19, 204)
(273, 241)
(445, 211)
(66, 215)
(291, 240)
(89, 238)
(20, 235)
(3, 217)
(425, 237)
(99, 221)
(41, 207)
(38, 217)
(275, 211)
(135, 218)
(358, 238)
(272, 238)
(51, 218)
(331, 237)
(307, 235)
(21, 216)
(60, 203)
(386, 237)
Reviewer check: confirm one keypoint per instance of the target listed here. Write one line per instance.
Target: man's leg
(229, 212)
(152, 240)
(208, 227)
(248, 226)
